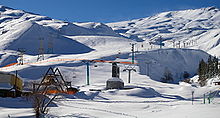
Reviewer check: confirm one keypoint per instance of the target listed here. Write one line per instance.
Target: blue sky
(104, 10)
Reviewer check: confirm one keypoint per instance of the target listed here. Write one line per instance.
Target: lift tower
(21, 52)
(41, 50)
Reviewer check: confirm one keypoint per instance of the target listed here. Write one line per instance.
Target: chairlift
(95, 65)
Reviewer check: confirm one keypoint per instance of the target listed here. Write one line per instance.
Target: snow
(197, 27)
(15, 107)
(6, 86)
(145, 96)
(175, 60)
(115, 79)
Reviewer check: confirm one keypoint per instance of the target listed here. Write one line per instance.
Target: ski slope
(145, 96)
(194, 28)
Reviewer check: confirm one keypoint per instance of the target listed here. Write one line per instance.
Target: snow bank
(176, 61)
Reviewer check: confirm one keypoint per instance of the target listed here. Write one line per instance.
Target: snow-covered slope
(196, 28)
(30, 37)
(73, 42)
(20, 29)
(176, 61)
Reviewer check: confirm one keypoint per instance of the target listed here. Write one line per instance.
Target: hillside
(68, 45)
(195, 28)
(20, 29)
(176, 61)
(32, 32)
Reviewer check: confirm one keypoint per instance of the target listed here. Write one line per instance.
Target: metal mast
(50, 43)
(132, 51)
(87, 62)
(129, 69)
(50, 46)
(41, 50)
(21, 52)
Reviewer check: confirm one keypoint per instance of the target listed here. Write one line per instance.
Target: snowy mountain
(195, 28)
(20, 29)
(24, 30)
(146, 95)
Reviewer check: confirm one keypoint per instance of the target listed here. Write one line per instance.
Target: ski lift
(95, 65)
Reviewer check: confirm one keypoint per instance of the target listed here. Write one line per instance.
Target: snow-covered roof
(115, 79)
(5, 86)
(9, 73)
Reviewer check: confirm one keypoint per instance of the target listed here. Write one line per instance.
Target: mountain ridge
(193, 25)
(21, 29)
(184, 26)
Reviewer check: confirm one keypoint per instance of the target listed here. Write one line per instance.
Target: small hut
(10, 85)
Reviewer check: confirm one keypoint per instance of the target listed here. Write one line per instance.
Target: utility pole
(173, 43)
(161, 43)
(192, 97)
(87, 62)
(21, 52)
(41, 50)
(184, 44)
(50, 46)
(132, 51)
(129, 69)
(15, 84)
(148, 67)
(50, 42)
(151, 46)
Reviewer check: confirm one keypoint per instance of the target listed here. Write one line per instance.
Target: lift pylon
(53, 83)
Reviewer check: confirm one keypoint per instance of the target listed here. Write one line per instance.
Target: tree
(209, 67)
(215, 64)
(185, 74)
(41, 103)
(203, 72)
(208, 70)
(168, 77)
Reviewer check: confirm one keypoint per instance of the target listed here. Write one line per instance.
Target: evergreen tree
(210, 71)
(185, 74)
(219, 72)
(215, 63)
(202, 71)
(168, 77)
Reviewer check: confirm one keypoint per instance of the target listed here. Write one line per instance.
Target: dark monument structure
(115, 82)
(115, 70)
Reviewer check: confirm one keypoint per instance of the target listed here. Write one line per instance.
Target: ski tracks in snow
(67, 104)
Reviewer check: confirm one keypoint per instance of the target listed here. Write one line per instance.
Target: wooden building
(10, 85)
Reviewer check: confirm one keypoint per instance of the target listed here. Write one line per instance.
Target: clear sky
(104, 10)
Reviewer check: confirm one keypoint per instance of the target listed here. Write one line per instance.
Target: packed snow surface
(66, 44)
